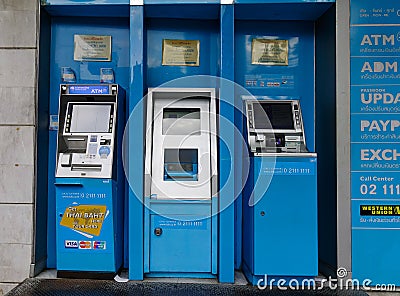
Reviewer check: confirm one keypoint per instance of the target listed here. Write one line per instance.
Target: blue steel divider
(227, 150)
(136, 139)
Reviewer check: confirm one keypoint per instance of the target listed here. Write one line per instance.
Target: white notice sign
(92, 48)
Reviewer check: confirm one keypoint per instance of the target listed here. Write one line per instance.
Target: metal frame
(343, 136)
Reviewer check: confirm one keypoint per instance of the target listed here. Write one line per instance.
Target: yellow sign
(270, 52)
(380, 210)
(180, 52)
(92, 48)
(84, 218)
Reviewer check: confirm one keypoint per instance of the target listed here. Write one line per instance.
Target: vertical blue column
(135, 149)
(227, 148)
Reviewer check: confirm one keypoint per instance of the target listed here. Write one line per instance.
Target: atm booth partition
(89, 181)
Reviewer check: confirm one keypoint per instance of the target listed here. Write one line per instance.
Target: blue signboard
(375, 12)
(375, 138)
(88, 89)
(375, 99)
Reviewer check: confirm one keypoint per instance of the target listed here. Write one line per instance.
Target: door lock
(158, 231)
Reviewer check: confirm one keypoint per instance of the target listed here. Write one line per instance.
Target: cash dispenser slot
(86, 167)
(75, 145)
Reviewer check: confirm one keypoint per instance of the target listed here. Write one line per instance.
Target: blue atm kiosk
(89, 181)
(181, 199)
(280, 197)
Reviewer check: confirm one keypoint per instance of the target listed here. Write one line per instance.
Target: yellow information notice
(85, 218)
(180, 52)
(270, 52)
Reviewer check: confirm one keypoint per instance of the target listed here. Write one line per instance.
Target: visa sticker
(71, 244)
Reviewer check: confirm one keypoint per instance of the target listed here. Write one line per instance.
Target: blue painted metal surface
(375, 123)
(185, 11)
(83, 2)
(169, 2)
(79, 10)
(136, 140)
(283, 1)
(77, 248)
(227, 149)
(158, 29)
(280, 231)
(299, 72)
(185, 243)
(62, 53)
(280, 11)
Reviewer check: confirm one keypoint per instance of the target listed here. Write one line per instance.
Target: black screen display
(279, 114)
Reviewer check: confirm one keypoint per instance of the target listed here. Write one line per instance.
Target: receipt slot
(180, 224)
(280, 196)
(89, 186)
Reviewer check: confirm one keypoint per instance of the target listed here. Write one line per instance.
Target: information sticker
(180, 52)
(92, 48)
(270, 52)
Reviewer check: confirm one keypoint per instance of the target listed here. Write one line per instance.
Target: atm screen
(280, 115)
(89, 118)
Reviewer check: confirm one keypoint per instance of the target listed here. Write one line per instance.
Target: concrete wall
(18, 56)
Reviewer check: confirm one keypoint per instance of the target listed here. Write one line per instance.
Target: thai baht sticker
(85, 218)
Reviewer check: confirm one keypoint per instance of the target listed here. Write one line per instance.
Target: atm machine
(89, 181)
(181, 202)
(280, 196)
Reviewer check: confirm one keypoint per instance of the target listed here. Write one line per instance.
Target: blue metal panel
(183, 11)
(83, 2)
(376, 256)
(146, 229)
(136, 144)
(168, 2)
(290, 219)
(214, 235)
(183, 246)
(62, 52)
(284, 226)
(187, 236)
(77, 249)
(159, 29)
(75, 10)
(283, 1)
(300, 70)
(227, 149)
(280, 10)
